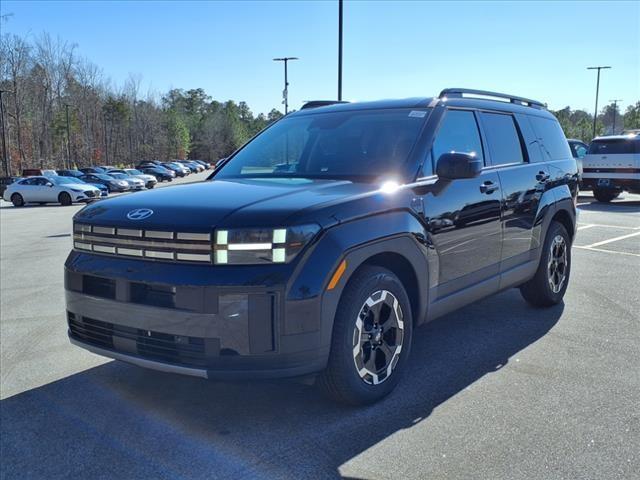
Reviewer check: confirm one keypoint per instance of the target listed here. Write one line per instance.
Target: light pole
(595, 115)
(285, 92)
(339, 50)
(5, 159)
(66, 107)
(615, 112)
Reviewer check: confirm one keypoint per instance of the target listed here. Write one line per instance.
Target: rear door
(464, 219)
(523, 177)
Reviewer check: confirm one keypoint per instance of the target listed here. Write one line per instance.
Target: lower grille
(178, 349)
(90, 193)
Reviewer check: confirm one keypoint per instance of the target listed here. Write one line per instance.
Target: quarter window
(458, 133)
(551, 137)
(502, 138)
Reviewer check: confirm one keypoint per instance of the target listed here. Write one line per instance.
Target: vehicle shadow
(117, 420)
(615, 206)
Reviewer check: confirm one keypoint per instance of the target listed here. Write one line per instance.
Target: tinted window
(552, 140)
(28, 181)
(356, 143)
(617, 146)
(502, 138)
(458, 133)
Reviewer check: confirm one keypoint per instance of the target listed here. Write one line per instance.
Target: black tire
(65, 199)
(17, 200)
(342, 380)
(151, 185)
(549, 284)
(605, 195)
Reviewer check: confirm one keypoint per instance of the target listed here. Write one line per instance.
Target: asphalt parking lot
(497, 390)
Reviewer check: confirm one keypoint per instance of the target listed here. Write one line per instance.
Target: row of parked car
(86, 184)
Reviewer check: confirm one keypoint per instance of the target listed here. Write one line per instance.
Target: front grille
(185, 247)
(179, 349)
(90, 193)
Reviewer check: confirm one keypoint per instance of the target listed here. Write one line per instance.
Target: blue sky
(391, 49)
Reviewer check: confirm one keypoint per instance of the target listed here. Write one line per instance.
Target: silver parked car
(149, 180)
(134, 183)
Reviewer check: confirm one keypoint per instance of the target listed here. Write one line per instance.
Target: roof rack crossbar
(458, 92)
(320, 103)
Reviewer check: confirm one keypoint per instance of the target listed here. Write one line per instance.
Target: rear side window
(458, 133)
(552, 140)
(502, 138)
(612, 147)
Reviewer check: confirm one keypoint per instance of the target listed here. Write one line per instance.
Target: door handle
(542, 176)
(488, 187)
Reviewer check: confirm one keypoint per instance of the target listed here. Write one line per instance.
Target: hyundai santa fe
(321, 244)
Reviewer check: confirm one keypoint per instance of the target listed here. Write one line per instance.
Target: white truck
(612, 166)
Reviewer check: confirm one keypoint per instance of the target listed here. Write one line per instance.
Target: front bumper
(190, 324)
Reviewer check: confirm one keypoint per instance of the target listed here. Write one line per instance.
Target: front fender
(397, 232)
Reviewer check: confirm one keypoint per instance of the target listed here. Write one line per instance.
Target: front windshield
(133, 171)
(363, 143)
(118, 175)
(103, 176)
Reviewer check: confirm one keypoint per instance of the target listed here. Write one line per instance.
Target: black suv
(320, 245)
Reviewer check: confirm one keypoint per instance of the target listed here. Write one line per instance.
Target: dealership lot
(496, 390)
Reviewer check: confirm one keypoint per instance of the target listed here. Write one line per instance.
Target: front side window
(502, 138)
(360, 143)
(458, 133)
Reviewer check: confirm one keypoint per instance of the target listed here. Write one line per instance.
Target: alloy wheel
(378, 337)
(557, 266)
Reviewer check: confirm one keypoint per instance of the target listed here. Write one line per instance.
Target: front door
(464, 218)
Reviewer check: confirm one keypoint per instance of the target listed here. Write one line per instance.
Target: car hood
(229, 203)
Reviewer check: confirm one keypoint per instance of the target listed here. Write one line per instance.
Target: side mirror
(581, 151)
(49, 184)
(453, 166)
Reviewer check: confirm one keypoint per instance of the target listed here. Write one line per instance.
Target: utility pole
(106, 143)
(615, 113)
(285, 92)
(339, 50)
(5, 158)
(595, 115)
(66, 107)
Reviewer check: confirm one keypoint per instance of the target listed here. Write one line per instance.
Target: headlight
(250, 246)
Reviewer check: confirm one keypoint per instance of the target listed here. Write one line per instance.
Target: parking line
(589, 225)
(606, 251)
(584, 227)
(615, 239)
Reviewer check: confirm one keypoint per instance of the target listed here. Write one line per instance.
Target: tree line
(61, 111)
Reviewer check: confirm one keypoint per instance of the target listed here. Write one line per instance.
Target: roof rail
(320, 103)
(459, 92)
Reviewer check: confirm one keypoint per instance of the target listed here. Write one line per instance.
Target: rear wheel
(550, 282)
(605, 195)
(65, 199)
(371, 338)
(17, 200)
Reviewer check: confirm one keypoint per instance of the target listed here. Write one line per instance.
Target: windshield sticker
(417, 113)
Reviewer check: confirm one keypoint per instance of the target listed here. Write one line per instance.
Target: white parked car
(149, 180)
(55, 189)
(612, 166)
(134, 183)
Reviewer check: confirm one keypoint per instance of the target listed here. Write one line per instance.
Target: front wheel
(371, 338)
(65, 199)
(605, 195)
(550, 282)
